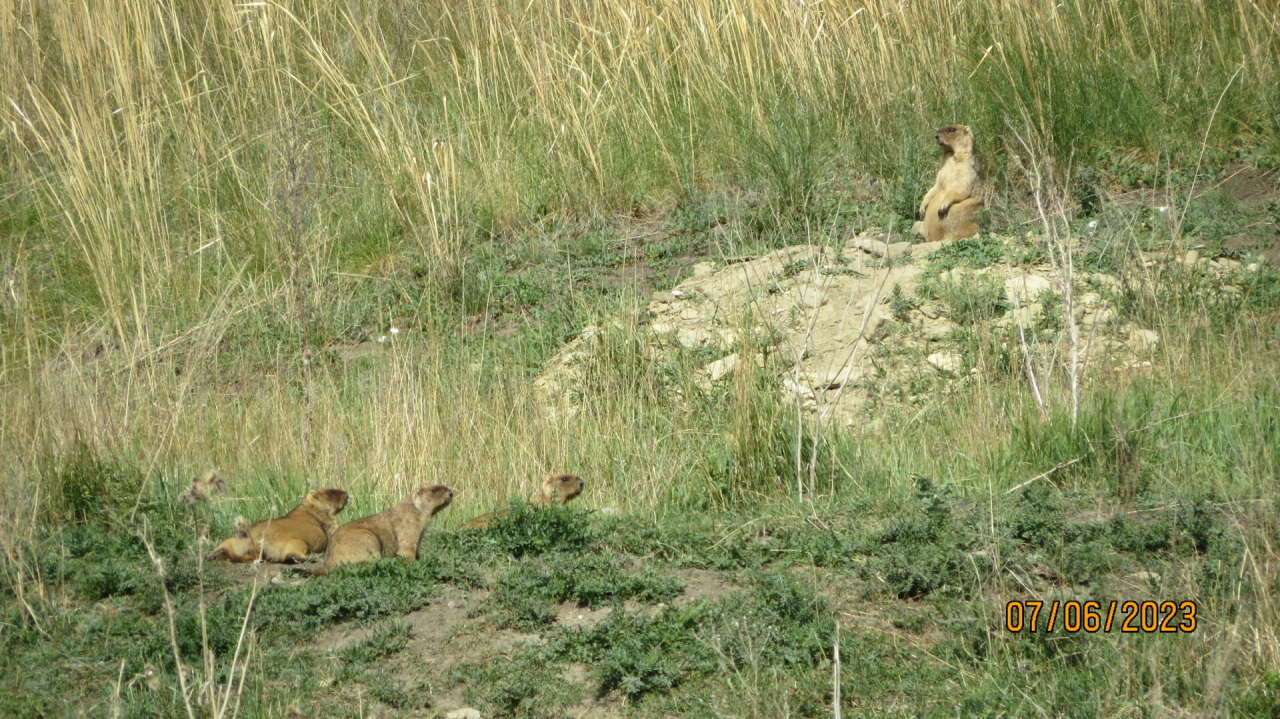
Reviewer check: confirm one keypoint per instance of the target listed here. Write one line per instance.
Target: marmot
(203, 487)
(393, 532)
(556, 490)
(949, 207)
(290, 538)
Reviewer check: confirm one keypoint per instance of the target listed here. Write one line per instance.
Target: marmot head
(955, 138)
(330, 501)
(561, 488)
(432, 498)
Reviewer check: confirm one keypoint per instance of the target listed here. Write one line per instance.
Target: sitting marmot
(949, 208)
(556, 490)
(290, 538)
(393, 532)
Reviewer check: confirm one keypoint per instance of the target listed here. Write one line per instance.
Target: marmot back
(304, 530)
(394, 532)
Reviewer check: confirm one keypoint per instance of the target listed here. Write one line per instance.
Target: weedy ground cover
(333, 246)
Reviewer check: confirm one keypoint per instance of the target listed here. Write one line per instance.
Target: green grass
(954, 560)
(212, 215)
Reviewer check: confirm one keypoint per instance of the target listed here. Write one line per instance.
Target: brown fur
(949, 208)
(393, 532)
(556, 490)
(303, 531)
(203, 487)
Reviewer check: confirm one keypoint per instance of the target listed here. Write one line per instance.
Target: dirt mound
(876, 319)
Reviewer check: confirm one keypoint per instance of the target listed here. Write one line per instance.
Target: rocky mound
(880, 320)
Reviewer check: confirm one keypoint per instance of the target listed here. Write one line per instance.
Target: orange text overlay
(1073, 616)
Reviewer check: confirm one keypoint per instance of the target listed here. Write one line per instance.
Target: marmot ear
(420, 499)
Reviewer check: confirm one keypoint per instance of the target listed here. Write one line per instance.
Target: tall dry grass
(177, 171)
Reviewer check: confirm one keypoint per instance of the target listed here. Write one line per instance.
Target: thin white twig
(1042, 475)
(835, 679)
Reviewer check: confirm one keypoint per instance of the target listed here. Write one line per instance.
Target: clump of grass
(974, 252)
(529, 685)
(971, 299)
(526, 531)
(778, 622)
(527, 592)
(901, 305)
(359, 592)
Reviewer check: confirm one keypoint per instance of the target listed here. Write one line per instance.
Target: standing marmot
(556, 490)
(949, 208)
(290, 538)
(393, 532)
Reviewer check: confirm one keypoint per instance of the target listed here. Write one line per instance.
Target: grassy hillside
(333, 244)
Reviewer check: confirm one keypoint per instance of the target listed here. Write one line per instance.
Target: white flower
(608, 510)
(395, 330)
(1162, 208)
(1093, 224)
(382, 338)
(677, 293)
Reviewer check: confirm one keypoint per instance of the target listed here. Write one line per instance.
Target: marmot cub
(393, 532)
(556, 490)
(948, 208)
(290, 538)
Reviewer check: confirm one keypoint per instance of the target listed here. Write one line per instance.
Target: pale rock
(547, 385)
(1088, 299)
(1027, 288)
(463, 713)
(898, 249)
(1144, 339)
(795, 387)
(662, 328)
(702, 269)
(1189, 260)
(657, 308)
(1229, 264)
(720, 368)
(692, 337)
(924, 248)
(833, 378)
(804, 394)
(1251, 267)
(812, 296)
(728, 337)
(945, 361)
(917, 228)
(875, 248)
(689, 313)
(1099, 317)
(877, 326)
(664, 297)
(936, 332)
(1110, 282)
(1027, 314)
(1145, 576)
(933, 312)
